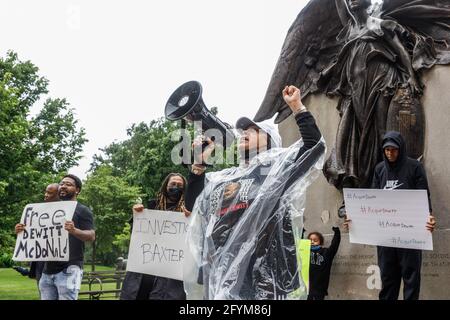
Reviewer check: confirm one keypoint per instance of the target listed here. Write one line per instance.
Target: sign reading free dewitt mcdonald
(389, 218)
(44, 237)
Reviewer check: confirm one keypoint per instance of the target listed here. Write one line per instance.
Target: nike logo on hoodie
(392, 185)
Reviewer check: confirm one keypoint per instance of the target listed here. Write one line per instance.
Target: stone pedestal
(355, 274)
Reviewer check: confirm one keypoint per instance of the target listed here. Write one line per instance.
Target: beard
(66, 197)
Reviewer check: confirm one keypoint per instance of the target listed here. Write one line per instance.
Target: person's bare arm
(308, 128)
(293, 99)
(83, 235)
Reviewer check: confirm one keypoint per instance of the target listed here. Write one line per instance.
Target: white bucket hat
(269, 128)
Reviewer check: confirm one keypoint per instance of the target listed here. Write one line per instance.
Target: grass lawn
(14, 286)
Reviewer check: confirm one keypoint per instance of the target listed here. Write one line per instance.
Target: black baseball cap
(391, 143)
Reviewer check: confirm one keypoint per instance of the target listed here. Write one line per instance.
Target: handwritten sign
(389, 218)
(44, 237)
(158, 243)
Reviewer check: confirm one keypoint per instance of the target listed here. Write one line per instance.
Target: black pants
(159, 288)
(316, 297)
(397, 264)
(138, 286)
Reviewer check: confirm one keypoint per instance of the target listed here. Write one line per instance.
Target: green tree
(111, 199)
(144, 159)
(34, 151)
(57, 140)
(122, 240)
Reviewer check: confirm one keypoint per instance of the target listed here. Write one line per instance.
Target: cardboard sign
(44, 237)
(389, 218)
(158, 243)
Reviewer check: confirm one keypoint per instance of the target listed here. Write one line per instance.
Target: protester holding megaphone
(241, 235)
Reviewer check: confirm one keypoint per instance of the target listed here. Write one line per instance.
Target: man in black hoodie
(398, 171)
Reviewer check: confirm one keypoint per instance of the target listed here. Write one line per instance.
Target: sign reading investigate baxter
(158, 243)
(389, 218)
(44, 237)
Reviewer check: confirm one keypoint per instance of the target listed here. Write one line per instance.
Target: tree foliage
(110, 199)
(34, 150)
(144, 159)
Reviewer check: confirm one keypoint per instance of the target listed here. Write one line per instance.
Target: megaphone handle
(204, 145)
(183, 127)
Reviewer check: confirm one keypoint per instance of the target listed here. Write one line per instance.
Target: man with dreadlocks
(138, 286)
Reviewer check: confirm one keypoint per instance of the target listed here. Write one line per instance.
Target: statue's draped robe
(320, 55)
(365, 77)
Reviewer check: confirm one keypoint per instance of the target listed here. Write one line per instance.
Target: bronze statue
(365, 59)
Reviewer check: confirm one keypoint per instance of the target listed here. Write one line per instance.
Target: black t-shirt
(83, 220)
(234, 197)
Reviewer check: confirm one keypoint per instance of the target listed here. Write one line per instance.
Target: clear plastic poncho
(245, 227)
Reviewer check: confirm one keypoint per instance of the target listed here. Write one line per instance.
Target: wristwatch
(302, 109)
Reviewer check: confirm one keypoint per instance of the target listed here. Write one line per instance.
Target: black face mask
(175, 193)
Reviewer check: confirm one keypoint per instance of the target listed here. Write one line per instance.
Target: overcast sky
(118, 61)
